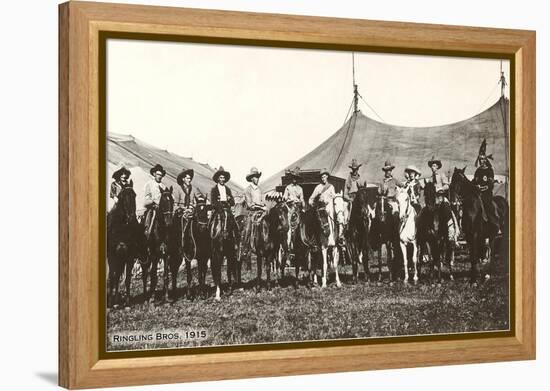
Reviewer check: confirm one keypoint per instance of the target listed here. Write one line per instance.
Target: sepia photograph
(266, 195)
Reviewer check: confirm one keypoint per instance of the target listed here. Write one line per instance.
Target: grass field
(289, 314)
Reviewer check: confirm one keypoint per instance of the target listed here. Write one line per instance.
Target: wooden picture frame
(80, 152)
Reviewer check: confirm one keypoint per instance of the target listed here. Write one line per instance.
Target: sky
(244, 106)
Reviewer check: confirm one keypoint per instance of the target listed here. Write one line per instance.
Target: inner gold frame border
(83, 30)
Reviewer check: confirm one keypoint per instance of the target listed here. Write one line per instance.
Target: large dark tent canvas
(372, 142)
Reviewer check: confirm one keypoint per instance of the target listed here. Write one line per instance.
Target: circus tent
(372, 143)
(139, 157)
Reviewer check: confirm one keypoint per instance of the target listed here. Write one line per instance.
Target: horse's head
(458, 183)
(166, 206)
(429, 194)
(127, 202)
(363, 206)
(341, 210)
(404, 202)
(279, 216)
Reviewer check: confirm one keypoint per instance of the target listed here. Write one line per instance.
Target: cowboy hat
(388, 166)
(413, 169)
(295, 172)
(182, 175)
(219, 172)
(156, 168)
(434, 161)
(324, 171)
(354, 165)
(254, 172)
(120, 171)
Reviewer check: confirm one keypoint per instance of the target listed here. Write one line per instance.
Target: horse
(476, 228)
(433, 233)
(360, 223)
(385, 232)
(158, 243)
(182, 247)
(277, 240)
(314, 241)
(341, 219)
(223, 240)
(407, 231)
(201, 239)
(122, 242)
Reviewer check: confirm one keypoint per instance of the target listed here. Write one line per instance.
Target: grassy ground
(289, 314)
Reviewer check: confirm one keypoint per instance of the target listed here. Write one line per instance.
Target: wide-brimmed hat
(120, 171)
(324, 171)
(219, 172)
(156, 168)
(434, 161)
(254, 172)
(413, 169)
(295, 172)
(388, 166)
(354, 165)
(182, 175)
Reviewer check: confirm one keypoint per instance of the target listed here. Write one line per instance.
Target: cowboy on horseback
(294, 194)
(121, 179)
(323, 195)
(353, 181)
(389, 186)
(484, 179)
(185, 196)
(222, 198)
(255, 207)
(412, 185)
(294, 197)
(441, 185)
(153, 191)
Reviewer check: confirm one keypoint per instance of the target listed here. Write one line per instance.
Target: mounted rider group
(312, 233)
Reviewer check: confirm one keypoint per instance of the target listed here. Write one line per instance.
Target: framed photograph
(247, 195)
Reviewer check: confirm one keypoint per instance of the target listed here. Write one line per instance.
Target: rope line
(370, 107)
(345, 139)
(488, 96)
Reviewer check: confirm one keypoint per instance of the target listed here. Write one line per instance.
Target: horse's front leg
(189, 276)
(111, 288)
(451, 255)
(415, 261)
(166, 277)
(336, 258)
(270, 259)
(259, 271)
(127, 282)
(324, 253)
(380, 262)
(405, 261)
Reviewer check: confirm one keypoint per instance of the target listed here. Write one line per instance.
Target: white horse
(407, 231)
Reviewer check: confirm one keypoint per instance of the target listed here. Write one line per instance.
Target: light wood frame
(80, 23)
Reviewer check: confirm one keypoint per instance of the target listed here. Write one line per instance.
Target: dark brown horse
(384, 231)
(197, 242)
(475, 226)
(158, 244)
(224, 237)
(313, 244)
(122, 242)
(433, 232)
(359, 227)
(276, 243)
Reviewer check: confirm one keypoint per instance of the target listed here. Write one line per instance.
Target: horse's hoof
(379, 283)
(451, 277)
(338, 284)
(391, 283)
(217, 298)
(487, 277)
